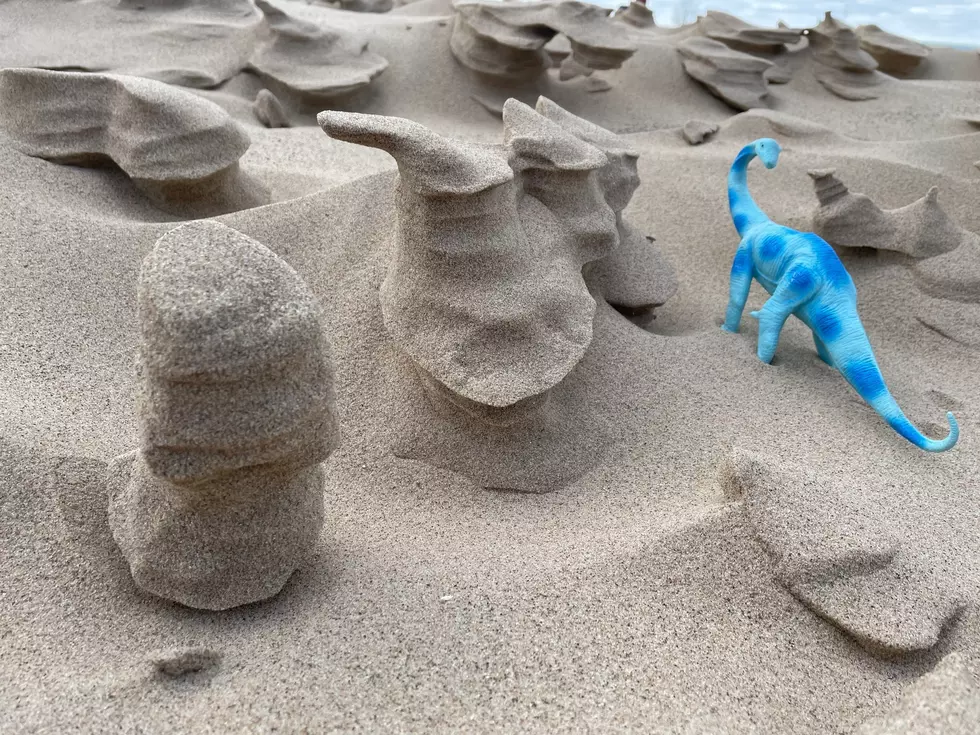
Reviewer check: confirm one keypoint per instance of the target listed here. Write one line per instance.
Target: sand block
(506, 40)
(741, 36)
(235, 406)
(235, 370)
(839, 62)
(733, 76)
(636, 276)
(696, 132)
(268, 109)
(839, 562)
(895, 55)
(310, 61)
(946, 701)
(180, 150)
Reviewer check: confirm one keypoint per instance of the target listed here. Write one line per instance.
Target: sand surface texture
(712, 544)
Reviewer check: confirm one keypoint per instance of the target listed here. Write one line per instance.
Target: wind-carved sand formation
(854, 573)
(503, 43)
(840, 64)
(181, 151)
(636, 277)
(946, 256)
(768, 43)
(485, 292)
(309, 62)
(205, 43)
(736, 61)
(636, 14)
(946, 701)
(895, 55)
(225, 499)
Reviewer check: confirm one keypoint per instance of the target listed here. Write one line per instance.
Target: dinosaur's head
(768, 151)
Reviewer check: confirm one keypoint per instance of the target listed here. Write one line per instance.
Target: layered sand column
(224, 500)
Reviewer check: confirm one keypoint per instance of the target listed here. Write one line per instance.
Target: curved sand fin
(429, 163)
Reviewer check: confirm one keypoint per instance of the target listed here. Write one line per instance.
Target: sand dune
(521, 283)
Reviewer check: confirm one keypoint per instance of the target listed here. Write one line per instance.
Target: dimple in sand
(805, 278)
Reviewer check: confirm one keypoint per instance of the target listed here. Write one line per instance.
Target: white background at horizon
(951, 22)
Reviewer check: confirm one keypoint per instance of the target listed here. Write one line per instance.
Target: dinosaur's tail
(856, 361)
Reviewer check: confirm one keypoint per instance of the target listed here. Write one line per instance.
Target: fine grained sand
(644, 596)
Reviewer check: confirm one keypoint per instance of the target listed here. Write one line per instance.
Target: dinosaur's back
(777, 248)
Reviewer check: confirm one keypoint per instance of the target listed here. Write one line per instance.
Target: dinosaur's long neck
(745, 212)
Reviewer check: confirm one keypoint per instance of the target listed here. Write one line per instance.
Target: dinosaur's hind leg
(795, 289)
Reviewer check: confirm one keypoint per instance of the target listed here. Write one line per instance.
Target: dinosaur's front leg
(741, 281)
(798, 286)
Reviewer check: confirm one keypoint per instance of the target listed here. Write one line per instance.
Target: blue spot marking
(732, 197)
(827, 325)
(772, 246)
(866, 378)
(830, 264)
(742, 265)
(801, 280)
(740, 221)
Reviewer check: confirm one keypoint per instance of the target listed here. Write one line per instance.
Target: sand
(669, 587)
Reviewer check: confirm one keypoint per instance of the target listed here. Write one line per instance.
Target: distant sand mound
(637, 15)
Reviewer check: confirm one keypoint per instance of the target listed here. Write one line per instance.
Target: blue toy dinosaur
(805, 277)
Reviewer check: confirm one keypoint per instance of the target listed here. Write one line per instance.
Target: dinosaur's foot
(838, 562)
